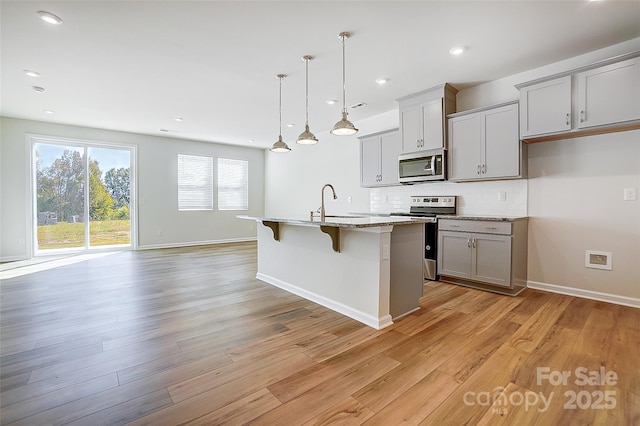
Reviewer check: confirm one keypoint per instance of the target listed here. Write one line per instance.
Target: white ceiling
(137, 65)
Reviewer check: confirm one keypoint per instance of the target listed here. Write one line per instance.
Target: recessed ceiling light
(457, 50)
(178, 118)
(382, 81)
(38, 89)
(48, 111)
(290, 124)
(31, 73)
(252, 140)
(332, 101)
(49, 17)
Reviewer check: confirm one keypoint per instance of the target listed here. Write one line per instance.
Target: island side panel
(407, 274)
(354, 282)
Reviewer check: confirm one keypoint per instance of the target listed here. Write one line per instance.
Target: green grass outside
(69, 235)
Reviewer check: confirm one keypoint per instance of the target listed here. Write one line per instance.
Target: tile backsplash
(474, 198)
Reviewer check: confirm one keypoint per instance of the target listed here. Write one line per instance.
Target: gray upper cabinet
(423, 118)
(609, 94)
(603, 97)
(379, 158)
(484, 144)
(546, 107)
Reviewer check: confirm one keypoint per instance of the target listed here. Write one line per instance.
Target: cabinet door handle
(567, 119)
(478, 170)
(483, 169)
(473, 243)
(582, 116)
(468, 242)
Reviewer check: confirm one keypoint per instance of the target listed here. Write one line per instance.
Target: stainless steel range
(429, 206)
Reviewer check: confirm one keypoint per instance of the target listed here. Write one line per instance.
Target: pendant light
(344, 127)
(306, 137)
(280, 145)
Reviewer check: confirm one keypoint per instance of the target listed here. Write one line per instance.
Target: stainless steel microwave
(422, 166)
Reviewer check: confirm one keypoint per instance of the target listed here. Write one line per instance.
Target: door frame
(32, 222)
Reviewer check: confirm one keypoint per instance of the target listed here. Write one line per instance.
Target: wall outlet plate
(598, 259)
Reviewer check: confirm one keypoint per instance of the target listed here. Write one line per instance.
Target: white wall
(157, 187)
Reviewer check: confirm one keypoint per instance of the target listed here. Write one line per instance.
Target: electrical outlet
(349, 199)
(160, 233)
(502, 196)
(629, 194)
(598, 259)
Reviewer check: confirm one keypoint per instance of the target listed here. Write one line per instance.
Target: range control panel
(431, 201)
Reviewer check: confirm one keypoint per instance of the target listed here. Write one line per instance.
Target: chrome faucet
(335, 197)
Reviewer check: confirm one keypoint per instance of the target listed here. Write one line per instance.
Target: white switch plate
(629, 194)
(502, 196)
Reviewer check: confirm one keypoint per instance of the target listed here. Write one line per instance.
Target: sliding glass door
(83, 196)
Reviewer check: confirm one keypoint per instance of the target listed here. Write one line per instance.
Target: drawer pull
(454, 226)
(491, 227)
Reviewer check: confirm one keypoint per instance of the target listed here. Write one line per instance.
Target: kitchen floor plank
(348, 412)
(330, 392)
(188, 334)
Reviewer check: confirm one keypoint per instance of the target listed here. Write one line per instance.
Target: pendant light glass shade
(280, 145)
(306, 137)
(344, 127)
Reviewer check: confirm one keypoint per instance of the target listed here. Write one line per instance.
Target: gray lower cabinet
(490, 255)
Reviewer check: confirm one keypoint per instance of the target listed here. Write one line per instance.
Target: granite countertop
(342, 221)
(487, 218)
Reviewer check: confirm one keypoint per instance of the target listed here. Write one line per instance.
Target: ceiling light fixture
(38, 89)
(332, 101)
(49, 17)
(382, 81)
(280, 145)
(31, 73)
(48, 111)
(344, 127)
(457, 50)
(178, 119)
(306, 137)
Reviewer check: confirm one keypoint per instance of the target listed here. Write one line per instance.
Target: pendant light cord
(344, 78)
(280, 105)
(307, 90)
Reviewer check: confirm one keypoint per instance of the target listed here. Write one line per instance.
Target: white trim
(371, 321)
(196, 243)
(586, 294)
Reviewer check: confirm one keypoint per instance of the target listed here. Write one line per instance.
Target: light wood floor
(167, 337)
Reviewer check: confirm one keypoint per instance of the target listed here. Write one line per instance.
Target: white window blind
(195, 182)
(233, 184)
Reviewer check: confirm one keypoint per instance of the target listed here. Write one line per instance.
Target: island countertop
(346, 221)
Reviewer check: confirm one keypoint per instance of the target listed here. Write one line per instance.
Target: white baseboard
(586, 294)
(370, 320)
(196, 243)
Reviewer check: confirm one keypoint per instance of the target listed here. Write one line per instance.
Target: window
(195, 182)
(233, 184)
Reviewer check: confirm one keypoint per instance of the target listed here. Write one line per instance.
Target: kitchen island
(368, 268)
